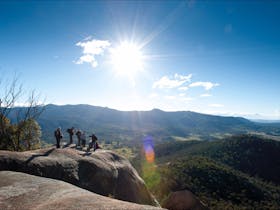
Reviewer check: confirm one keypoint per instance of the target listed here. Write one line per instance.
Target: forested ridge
(239, 172)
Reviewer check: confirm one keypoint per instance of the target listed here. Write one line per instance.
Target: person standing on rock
(71, 133)
(83, 139)
(93, 142)
(58, 135)
(78, 134)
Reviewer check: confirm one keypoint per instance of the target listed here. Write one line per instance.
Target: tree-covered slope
(250, 154)
(238, 172)
(217, 185)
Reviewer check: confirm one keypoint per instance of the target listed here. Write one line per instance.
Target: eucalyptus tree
(18, 113)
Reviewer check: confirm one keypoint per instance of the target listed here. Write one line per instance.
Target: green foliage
(20, 137)
(30, 133)
(256, 156)
(250, 154)
(238, 172)
(6, 131)
(150, 174)
(122, 150)
(217, 184)
(18, 129)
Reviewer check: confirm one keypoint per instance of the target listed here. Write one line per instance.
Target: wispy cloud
(183, 88)
(153, 95)
(170, 97)
(187, 78)
(87, 59)
(205, 85)
(205, 95)
(277, 113)
(187, 99)
(178, 92)
(92, 48)
(176, 81)
(216, 105)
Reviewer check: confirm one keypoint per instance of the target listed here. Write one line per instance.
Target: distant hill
(112, 124)
(217, 185)
(253, 155)
(238, 172)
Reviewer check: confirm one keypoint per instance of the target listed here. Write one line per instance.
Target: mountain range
(111, 125)
(235, 167)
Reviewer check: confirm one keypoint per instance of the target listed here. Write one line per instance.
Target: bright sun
(127, 59)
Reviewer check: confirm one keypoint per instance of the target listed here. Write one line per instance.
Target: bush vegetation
(238, 172)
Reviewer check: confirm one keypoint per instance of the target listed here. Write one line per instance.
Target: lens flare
(149, 149)
(149, 154)
(150, 173)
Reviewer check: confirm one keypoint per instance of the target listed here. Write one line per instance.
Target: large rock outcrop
(183, 200)
(20, 191)
(102, 172)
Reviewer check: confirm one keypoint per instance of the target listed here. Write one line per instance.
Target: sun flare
(127, 59)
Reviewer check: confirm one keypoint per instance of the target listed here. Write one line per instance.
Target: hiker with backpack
(79, 134)
(58, 135)
(71, 133)
(93, 144)
(83, 139)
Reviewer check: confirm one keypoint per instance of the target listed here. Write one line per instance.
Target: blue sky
(218, 58)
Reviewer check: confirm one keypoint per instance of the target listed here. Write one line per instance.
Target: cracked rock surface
(20, 191)
(102, 172)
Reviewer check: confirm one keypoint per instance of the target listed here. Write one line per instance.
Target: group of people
(81, 136)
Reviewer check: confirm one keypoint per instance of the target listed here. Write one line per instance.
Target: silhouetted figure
(93, 143)
(78, 134)
(71, 133)
(97, 145)
(83, 139)
(58, 135)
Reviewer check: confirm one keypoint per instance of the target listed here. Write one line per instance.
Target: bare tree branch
(21, 115)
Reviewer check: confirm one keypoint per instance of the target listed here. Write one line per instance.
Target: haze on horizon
(217, 58)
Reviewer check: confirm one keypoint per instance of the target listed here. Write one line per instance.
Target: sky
(216, 57)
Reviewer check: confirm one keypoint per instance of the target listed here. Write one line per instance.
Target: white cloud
(153, 95)
(277, 113)
(187, 78)
(216, 105)
(88, 38)
(167, 83)
(87, 59)
(187, 99)
(183, 88)
(170, 97)
(21, 104)
(92, 48)
(205, 85)
(205, 95)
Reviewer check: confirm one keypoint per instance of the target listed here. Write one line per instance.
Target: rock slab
(20, 191)
(183, 200)
(102, 172)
